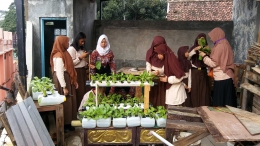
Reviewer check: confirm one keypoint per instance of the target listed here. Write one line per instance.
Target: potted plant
(119, 118)
(133, 116)
(90, 102)
(161, 115)
(89, 118)
(148, 118)
(35, 85)
(104, 113)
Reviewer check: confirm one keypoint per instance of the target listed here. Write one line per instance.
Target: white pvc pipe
(161, 138)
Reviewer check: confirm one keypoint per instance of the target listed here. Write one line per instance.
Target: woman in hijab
(183, 54)
(65, 79)
(173, 76)
(77, 52)
(155, 65)
(221, 60)
(104, 54)
(200, 92)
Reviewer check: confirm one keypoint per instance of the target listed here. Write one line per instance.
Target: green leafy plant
(161, 112)
(104, 111)
(42, 85)
(89, 114)
(98, 65)
(91, 100)
(150, 112)
(134, 111)
(202, 42)
(119, 113)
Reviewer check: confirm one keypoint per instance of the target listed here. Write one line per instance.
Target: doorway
(50, 28)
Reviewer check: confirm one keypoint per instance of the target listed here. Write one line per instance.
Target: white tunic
(75, 57)
(59, 69)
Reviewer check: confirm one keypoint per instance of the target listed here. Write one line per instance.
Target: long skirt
(82, 89)
(224, 93)
(158, 94)
(70, 105)
(200, 88)
(187, 102)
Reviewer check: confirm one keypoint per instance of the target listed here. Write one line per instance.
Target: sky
(4, 4)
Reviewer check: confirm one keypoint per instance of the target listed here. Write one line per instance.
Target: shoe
(66, 129)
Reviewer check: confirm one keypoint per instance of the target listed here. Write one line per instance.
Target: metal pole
(21, 41)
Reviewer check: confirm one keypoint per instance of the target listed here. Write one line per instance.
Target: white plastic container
(124, 107)
(119, 122)
(133, 121)
(161, 122)
(89, 123)
(147, 122)
(35, 95)
(104, 122)
(51, 99)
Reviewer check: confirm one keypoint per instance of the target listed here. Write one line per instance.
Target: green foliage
(42, 85)
(202, 43)
(150, 112)
(89, 114)
(9, 23)
(104, 111)
(134, 111)
(161, 112)
(91, 100)
(98, 65)
(119, 113)
(134, 10)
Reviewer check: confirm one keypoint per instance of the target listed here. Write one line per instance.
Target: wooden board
(251, 121)
(250, 62)
(257, 69)
(251, 88)
(127, 70)
(252, 76)
(226, 128)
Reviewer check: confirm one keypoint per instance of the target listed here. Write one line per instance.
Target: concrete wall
(46, 9)
(130, 40)
(246, 15)
(84, 14)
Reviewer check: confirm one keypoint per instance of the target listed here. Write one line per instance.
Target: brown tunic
(70, 105)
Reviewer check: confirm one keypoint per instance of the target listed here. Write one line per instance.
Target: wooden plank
(7, 127)
(252, 76)
(183, 109)
(251, 88)
(37, 120)
(244, 99)
(227, 125)
(182, 125)
(35, 135)
(255, 110)
(24, 126)
(17, 131)
(191, 138)
(146, 97)
(182, 113)
(60, 124)
(250, 62)
(251, 121)
(256, 69)
(210, 126)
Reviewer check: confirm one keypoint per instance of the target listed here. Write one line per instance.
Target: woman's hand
(156, 72)
(76, 85)
(92, 66)
(189, 89)
(65, 91)
(83, 55)
(202, 54)
(164, 79)
(197, 48)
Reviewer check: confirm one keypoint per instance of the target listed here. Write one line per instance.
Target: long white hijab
(103, 51)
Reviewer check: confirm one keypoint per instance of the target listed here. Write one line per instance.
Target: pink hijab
(221, 52)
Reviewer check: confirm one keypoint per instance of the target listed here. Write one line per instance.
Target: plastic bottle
(54, 99)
